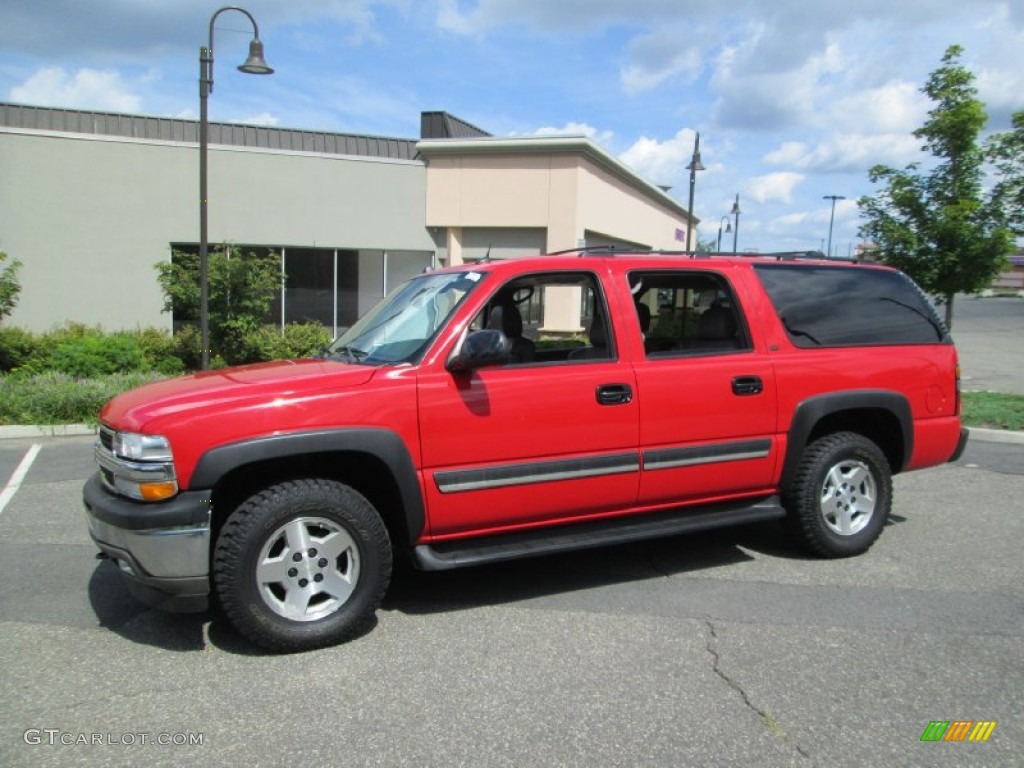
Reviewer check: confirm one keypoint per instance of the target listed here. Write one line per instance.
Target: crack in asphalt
(767, 719)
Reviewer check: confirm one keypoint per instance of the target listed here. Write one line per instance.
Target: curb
(46, 430)
(996, 435)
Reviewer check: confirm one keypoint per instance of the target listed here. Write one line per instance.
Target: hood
(287, 379)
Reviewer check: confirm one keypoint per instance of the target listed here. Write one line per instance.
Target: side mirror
(478, 349)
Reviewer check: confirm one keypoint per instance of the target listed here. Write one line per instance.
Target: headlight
(133, 447)
(137, 466)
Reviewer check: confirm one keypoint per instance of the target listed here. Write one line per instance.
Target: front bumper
(162, 548)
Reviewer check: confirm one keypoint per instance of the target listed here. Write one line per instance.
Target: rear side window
(687, 313)
(823, 306)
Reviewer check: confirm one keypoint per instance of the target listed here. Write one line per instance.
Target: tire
(301, 565)
(841, 495)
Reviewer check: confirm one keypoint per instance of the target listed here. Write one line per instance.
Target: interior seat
(598, 335)
(508, 319)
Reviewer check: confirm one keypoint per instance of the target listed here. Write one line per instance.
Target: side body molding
(814, 409)
(382, 444)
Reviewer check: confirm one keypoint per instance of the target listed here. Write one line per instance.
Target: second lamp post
(693, 167)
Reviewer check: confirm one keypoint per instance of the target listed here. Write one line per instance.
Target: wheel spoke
(296, 600)
(844, 520)
(272, 571)
(858, 475)
(297, 536)
(335, 544)
(834, 479)
(336, 585)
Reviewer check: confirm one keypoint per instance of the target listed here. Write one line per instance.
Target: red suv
(515, 408)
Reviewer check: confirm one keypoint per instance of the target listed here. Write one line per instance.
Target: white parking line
(19, 474)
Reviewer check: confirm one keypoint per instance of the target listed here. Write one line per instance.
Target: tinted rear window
(824, 306)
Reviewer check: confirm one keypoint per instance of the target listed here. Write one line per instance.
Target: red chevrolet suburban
(506, 409)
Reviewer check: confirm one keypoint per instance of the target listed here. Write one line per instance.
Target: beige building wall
(90, 216)
(566, 185)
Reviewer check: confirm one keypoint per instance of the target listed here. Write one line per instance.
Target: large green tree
(938, 225)
(1006, 152)
(242, 290)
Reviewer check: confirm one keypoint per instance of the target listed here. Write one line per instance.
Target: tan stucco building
(91, 201)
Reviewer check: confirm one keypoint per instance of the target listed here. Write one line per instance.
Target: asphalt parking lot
(729, 648)
(725, 648)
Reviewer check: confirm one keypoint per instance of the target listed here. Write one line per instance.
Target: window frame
(727, 297)
(558, 278)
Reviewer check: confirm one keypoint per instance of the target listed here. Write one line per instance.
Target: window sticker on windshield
(474, 276)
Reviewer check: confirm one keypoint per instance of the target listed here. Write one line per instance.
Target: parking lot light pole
(736, 229)
(693, 167)
(728, 229)
(253, 65)
(831, 220)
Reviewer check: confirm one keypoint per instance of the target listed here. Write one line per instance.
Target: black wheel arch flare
(810, 413)
(382, 444)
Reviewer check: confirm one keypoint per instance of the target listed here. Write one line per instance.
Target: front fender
(382, 444)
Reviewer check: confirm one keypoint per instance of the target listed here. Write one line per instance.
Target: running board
(447, 555)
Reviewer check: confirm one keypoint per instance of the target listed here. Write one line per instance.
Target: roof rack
(613, 250)
(610, 250)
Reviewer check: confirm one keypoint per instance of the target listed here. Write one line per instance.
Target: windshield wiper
(931, 320)
(349, 354)
(797, 332)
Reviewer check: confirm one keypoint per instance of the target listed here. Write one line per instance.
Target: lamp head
(255, 64)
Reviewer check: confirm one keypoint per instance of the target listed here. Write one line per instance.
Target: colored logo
(958, 730)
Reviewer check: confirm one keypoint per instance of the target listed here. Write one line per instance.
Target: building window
(331, 286)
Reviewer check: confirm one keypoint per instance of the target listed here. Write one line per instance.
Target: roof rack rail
(610, 250)
(613, 250)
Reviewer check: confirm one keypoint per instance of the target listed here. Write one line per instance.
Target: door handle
(747, 385)
(614, 394)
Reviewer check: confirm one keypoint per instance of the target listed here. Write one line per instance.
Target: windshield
(401, 325)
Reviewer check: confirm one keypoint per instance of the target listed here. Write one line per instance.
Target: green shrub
(269, 343)
(157, 346)
(98, 355)
(16, 348)
(57, 398)
(302, 340)
(188, 347)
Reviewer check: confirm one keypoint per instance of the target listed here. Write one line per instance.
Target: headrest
(716, 323)
(506, 318)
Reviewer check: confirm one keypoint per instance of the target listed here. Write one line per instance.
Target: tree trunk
(949, 311)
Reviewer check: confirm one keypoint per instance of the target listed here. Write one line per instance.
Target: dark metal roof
(175, 129)
(441, 125)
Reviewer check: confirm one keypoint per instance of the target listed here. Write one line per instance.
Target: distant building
(1012, 278)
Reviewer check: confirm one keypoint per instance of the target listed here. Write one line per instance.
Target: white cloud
(774, 187)
(450, 19)
(896, 107)
(264, 118)
(853, 152)
(661, 161)
(578, 129)
(659, 56)
(87, 88)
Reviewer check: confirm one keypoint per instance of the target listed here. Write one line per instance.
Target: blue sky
(793, 99)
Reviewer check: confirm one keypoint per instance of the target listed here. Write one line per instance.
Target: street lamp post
(736, 229)
(831, 221)
(693, 167)
(253, 65)
(728, 229)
